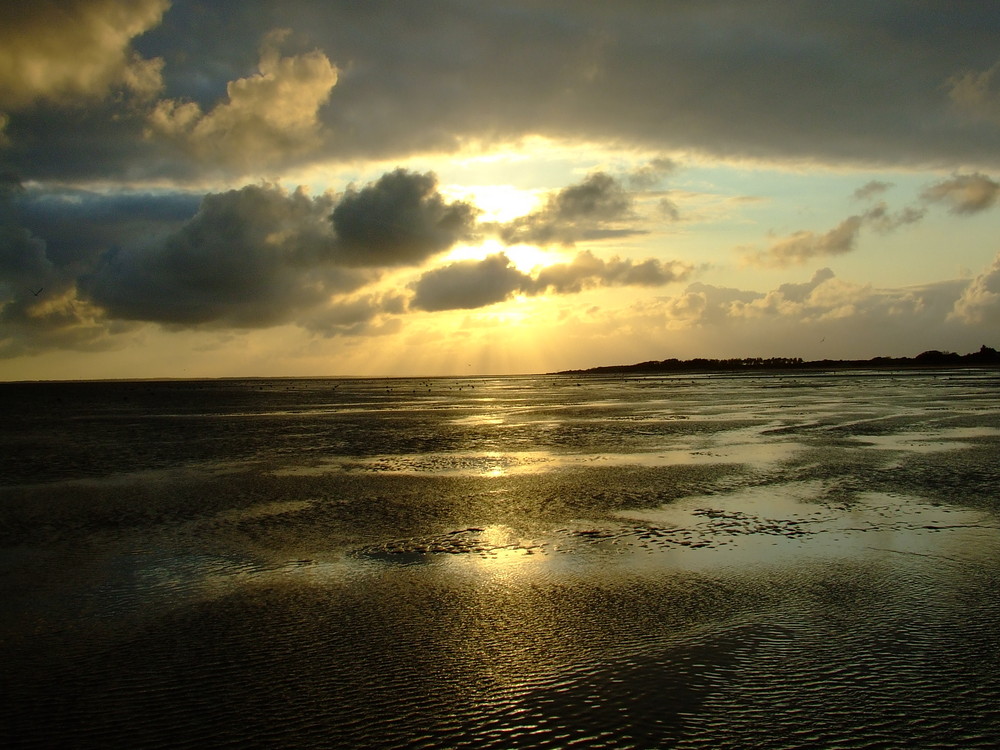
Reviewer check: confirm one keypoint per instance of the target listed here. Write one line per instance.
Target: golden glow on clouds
(265, 117)
(75, 49)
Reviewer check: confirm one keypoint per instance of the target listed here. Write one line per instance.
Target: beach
(778, 560)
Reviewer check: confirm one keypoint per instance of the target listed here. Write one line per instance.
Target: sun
(525, 258)
(498, 203)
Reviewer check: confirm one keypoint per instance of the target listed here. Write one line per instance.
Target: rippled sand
(717, 562)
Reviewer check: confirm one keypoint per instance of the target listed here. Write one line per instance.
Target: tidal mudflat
(776, 561)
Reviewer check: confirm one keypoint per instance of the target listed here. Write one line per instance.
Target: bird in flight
(38, 292)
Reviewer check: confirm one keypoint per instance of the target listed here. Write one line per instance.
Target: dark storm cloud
(250, 258)
(247, 258)
(23, 259)
(23, 262)
(805, 80)
(49, 239)
(893, 82)
(977, 93)
(79, 225)
(401, 219)
(39, 304)
(585, 211)
(477, 283)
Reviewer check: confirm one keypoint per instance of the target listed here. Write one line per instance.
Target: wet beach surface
(779, 561)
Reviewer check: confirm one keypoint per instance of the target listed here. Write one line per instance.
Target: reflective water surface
(779, 561)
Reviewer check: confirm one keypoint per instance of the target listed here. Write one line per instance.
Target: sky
(454, 187)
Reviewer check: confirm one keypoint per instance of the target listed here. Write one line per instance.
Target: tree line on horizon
(931, 358)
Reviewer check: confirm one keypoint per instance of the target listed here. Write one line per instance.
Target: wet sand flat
(778, 561)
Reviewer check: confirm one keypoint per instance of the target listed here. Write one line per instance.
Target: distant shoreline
(985, 357)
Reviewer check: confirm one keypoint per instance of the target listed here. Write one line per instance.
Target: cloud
(266, 118)
(669, 209)
(79, 225)
(649, 175)
(24, 267)
(704, 303)
(477, 283)
(980, 300)
(39, 305)
(587, 270)
(468, 284)
(806, 82)
(964, 193)
(251, 257)
(585, 211)
(882, 220)
(799, 292)
(67, 50)
(974, 93)
(366, 315)
(26, 270)
(795, 84)
(871, 189)
(822, 301)
(401, 219)
(254, 257)
(803, 246)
